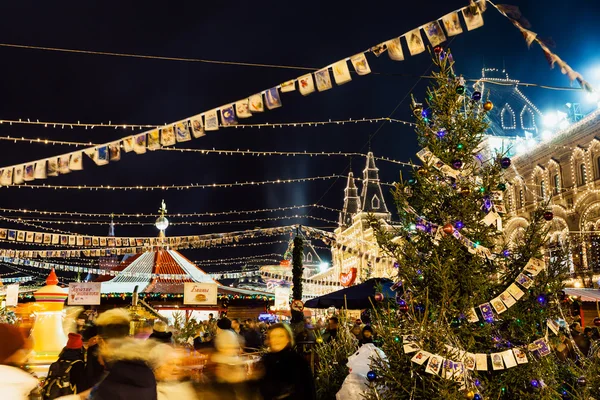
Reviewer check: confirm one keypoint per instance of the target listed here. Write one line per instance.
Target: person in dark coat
(130, 374)
(159, 333)
(252, 337)
(74, 354)
(287, 374)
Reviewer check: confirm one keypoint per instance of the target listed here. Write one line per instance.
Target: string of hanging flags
(228, 115)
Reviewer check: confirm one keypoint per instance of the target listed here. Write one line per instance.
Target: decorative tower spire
(111, 227)
(162, 223)
(351, 202)
(371, 196)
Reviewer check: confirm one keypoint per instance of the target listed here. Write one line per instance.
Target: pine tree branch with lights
(474, 317)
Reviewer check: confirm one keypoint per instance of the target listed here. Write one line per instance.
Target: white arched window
(375, 203)
(507, 118)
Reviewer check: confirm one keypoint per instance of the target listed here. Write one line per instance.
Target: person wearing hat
(15, 384)
(67, 374)
(126, 360)
(160, 334)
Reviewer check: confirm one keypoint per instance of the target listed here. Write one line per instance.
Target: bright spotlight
(563, 124)
(550, 119)
(323, 266)
(520, 147)
(546, 135)
(531, 143)
(593, 97)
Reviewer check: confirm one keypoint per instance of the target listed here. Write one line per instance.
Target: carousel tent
(150, 271)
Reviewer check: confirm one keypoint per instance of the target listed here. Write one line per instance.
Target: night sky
(90, 88)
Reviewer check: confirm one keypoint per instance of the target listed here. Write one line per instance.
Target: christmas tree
(474, 317)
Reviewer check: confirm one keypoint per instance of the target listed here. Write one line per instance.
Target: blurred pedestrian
(287, 374)
(367, 335)
(171, 382)
(15, 383)
(160, 333)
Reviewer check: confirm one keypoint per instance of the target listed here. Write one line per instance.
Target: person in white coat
(15, 383)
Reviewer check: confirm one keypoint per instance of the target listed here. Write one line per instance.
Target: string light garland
(20, 221)
(189, 223)
(178, 215)
(250, 262)
(78, 124)
(183, 187)
(243, 258)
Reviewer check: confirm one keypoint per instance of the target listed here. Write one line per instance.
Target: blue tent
(355, 297)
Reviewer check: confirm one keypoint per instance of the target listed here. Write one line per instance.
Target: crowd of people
(106, 362)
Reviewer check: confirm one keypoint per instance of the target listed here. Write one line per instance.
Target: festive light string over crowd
(178, 215)
(243, 258)
(184, 187)
(20, 221)
(199, 223)
(298, 124)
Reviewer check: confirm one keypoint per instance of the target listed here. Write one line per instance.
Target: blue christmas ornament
(459, 225)
(441, 133)
(506, 253)
(477, 396)
(535, 383)
(371, 376)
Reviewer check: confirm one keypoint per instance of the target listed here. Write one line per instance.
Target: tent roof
(585, 294)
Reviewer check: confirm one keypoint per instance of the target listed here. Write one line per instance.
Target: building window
(582, 177)
(309, 257)
(527, 119)
(556, 181)
(521, 202)
(507, 118)
(598, 167)
(542, 189)
(375, 203)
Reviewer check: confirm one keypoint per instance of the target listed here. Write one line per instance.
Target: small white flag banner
(473, 17)
(40, 170)
(153, 139)
(434, 33)
(114, 151)
(76, 161)
(52, 167)
(167, 136)
(128, 144)
(272, 98)
(394, 48)
(452, 24)
(242, 109)
(182, 133)
(102, 155)
(288, 86)
(12, 295)
(18, 175)
(360, 64)
(28, 175)
(255, 103)
(323, 80)
(228, 115)
(6, 176)
(211, 121)
(306, 85)
(63, 164)
(139, 144)
(197, 126)
(415, 42)
(341, 72)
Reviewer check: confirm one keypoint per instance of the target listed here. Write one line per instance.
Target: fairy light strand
(183, 187)
(178, 215)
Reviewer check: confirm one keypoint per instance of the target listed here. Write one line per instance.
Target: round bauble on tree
(505, 163)
(371, 376)
(379, 297)
(477, 396)
(465, 191)
(448, 229)
(437, 49)
(597, 321)
(476, 96)
(460, 89)
(469, 394)
(457, 164)
(422, 172)
(548, 215)
(582, 381)
(488, 106)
